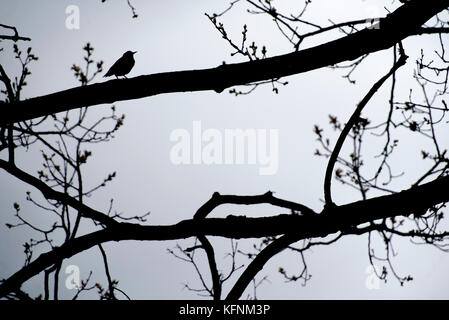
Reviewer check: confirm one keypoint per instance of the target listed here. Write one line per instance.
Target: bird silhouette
(122, 66)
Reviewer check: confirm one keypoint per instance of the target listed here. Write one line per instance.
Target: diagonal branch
(352, 121)
(258, 263)
(400, 24)
(5, 79)
(50, 193)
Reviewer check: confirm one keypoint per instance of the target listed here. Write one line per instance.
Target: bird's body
(122, 66)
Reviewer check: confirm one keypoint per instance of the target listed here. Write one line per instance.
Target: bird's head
(129, 53)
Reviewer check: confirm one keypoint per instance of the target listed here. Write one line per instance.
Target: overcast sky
(176, 35)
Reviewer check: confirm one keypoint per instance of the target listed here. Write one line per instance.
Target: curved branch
(352, 121)
(400, 24)
(216, 283)
(218, 199)
(259, 262)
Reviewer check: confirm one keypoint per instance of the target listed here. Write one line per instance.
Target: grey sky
(176, 35)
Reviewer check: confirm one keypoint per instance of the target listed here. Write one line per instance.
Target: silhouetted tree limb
(400, 24)
(216, 281)
(133, 10)
(111, 283)
(258, 263)
(430, 30)
(14, 37)
(50, 193)
(416, 200)
(351, 122)
(5, 79)
(218, 199)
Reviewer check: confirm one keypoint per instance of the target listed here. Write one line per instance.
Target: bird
(122, 66)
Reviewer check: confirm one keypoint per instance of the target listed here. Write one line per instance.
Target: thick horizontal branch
(412, 201)
(402, 23)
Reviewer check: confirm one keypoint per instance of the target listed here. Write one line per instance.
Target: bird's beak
(134, 52)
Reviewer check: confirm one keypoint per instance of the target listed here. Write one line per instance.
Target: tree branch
(415, 200)
(218, 199)
(216, 283)
(402, 23)
(5, 79)
(435, 30)
(15, 37)
(352, 121)
(111, 285)
(50, 193)
(259, 261)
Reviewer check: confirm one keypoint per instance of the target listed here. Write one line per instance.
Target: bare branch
(15, 37)
(50, 193)
(354, 118)
(218, 199)
(216, 281)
